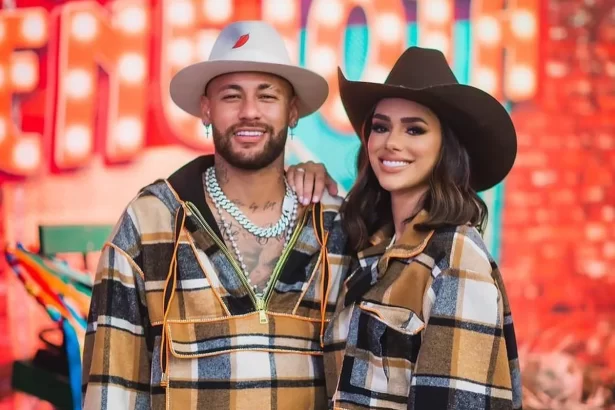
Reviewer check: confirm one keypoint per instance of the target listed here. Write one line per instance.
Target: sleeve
(116, 358)
(463, 362)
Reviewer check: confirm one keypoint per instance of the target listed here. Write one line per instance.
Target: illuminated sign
(107, 68)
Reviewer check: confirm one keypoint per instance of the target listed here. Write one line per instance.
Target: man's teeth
(395, 163)
(249, 133)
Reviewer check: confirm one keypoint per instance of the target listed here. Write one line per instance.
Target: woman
(424, 320)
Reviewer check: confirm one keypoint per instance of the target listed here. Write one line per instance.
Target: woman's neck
(404, 205)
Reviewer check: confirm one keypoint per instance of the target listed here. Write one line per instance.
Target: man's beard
(273, 148)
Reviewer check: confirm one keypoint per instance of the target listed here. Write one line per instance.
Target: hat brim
(481, 123)
(188, 85)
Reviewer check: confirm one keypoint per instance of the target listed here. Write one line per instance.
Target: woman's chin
(394, 186)
(393, 183)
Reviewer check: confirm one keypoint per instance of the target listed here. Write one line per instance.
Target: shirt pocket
(381, 351)
(395, 318)
(282, 358)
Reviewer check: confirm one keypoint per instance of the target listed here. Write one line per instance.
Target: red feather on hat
(242, 40)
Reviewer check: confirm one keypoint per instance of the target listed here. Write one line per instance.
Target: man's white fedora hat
(248, 46)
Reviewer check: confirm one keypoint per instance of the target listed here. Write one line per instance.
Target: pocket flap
(193, 339)
(395, 317)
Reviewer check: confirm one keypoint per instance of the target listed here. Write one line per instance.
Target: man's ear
(205, 115)
(293, 113)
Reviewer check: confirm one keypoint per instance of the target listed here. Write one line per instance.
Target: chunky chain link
(220, 200)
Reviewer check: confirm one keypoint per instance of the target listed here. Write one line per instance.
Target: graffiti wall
(86, 120)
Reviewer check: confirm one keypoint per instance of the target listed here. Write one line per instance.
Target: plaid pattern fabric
(425, 324)
(172, 326)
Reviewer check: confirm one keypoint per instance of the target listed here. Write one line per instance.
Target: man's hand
(309, 180)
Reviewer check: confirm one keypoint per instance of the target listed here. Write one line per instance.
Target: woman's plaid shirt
(425, 324)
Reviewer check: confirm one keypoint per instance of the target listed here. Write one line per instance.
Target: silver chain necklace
(219, 198)
(289, 206)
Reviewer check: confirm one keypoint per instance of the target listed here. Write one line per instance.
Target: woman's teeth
(394, 164)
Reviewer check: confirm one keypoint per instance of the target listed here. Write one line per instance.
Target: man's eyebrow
(230, 87)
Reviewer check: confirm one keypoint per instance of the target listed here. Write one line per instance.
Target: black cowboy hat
(480, 122)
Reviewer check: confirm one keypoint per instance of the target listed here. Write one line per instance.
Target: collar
(410, 243)
(187, 182)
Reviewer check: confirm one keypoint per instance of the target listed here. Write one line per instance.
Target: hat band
(254, 56)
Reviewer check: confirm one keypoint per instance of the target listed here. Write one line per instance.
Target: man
(216, 285)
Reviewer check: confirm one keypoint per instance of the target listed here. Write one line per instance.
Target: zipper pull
(262, 315)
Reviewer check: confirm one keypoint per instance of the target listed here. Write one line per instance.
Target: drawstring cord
(325, 269)
(172, 280)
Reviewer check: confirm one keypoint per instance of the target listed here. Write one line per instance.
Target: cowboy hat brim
(481, 123)
(188, 85)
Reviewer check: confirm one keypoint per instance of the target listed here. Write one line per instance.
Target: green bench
(82, 239)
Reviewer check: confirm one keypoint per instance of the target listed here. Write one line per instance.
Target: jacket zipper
(260, 303)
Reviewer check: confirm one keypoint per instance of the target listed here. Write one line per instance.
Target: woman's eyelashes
(410, 130)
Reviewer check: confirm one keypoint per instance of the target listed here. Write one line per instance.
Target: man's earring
(206, 125)
(292, 130)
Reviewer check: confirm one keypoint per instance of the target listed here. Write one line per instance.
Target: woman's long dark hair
(450, 200)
